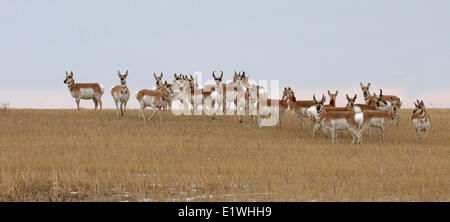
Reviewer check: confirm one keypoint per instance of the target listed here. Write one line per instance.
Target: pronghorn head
(333, 96)
(123, 78)
(244, 79)
(365, 89)
(420, 106)
(351, 101)
(158, 79)
(286, 94)
(218, 80)
(177, 77)
(168, 85)
(69, 78)
(395, 105)
(236, 77)
(319, 104)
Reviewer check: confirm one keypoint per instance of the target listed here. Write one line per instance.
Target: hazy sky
(400, 46)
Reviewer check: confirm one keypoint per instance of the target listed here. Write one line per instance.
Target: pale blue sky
(400, 46)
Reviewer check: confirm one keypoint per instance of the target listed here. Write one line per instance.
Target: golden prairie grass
(68, 155)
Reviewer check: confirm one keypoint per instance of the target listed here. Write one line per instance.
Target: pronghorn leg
(117, 106)
(397, 120)
(381, 134)
(121, 108)
(99, 100)
(333, 134)
(417, 135)
(77, 101)
(153, 114)
(95, 103)
(425, 133)
(316, 128)
(124, 107)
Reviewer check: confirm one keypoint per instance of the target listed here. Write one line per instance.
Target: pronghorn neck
(70, 85)
(332, 101)
(422, 114)
(368, 98)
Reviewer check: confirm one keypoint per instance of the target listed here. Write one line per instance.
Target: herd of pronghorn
(378, 110)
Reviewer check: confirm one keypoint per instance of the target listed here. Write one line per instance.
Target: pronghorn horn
(329, 93)
(361, 84)
(67, 73)
(221, 74)
(154, 74)
(381, 93)
(323, 99)
(71, 73)
(160, 76)
(348, 97)
(368, 84)
(126, 73)
(336, 93)
(314, 97)
(214, 74)
(354, 98)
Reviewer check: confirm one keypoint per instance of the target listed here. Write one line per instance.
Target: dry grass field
(68, 155)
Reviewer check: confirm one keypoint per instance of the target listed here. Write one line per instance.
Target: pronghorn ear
(360, 83)
(329, 93)
(336, 93)
(118, 73)
(71, 74)
(161, 75)
(154, 74)
(354, 98)
(368, 85)
(67, 74)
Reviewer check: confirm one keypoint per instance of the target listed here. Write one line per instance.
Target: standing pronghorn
(86, 91)
(156, 99)
(298, 107)
(121, 94)
(379, 119)
(340, 120)
(420, 120)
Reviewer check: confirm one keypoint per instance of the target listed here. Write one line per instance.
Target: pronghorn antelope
(368, 97)
(420, 120)
(121, 94)
(298, 107)
(342, 120)
(379, 119)
(180, 89)
(268, 107)
(86, 91)
(156, 99)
